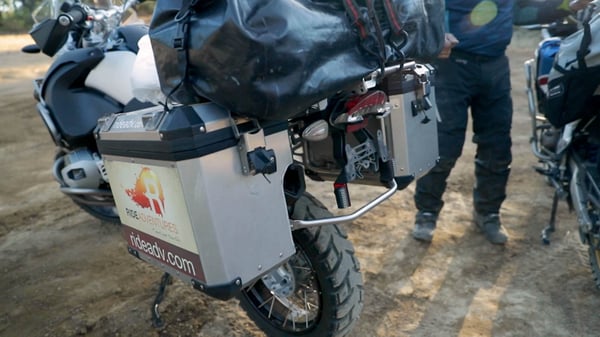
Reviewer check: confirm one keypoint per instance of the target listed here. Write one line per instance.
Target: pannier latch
(254, 155)
(261, 161)
(422, 102)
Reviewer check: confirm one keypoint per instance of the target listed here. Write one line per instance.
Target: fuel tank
(85, 84)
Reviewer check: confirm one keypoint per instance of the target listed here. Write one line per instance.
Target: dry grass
(14, 42)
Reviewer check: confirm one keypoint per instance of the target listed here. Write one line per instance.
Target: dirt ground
(64, 273)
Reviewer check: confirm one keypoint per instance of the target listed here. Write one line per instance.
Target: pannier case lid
(184, 132)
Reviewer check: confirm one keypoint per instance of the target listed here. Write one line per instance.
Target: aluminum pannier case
(187, 197)
(408, 132)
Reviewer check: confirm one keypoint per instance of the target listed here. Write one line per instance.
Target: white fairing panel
(144, 76)
(112, 76)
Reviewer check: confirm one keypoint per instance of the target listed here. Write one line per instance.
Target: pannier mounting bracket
(254, 155)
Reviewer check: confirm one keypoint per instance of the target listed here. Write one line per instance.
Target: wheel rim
(595, 249)
(289, 297)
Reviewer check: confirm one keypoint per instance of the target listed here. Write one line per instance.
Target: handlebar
(562, 28)
(88, 26)
(75, 15)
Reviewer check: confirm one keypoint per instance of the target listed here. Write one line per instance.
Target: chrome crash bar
(299, 224)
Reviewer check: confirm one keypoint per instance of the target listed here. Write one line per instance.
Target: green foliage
(146, 8)
(17, 19)
(16, 22)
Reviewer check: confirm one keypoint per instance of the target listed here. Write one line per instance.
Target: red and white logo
(148, 192)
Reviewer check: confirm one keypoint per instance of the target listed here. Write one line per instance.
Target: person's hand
(576, 5)
(449, 42)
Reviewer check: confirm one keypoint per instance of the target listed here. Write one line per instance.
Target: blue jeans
(482, 84)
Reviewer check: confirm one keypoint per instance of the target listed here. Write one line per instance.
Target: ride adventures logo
(148, 192)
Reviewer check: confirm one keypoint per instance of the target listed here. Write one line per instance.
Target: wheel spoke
(265, 301)
(302, 268)
(272, 304)
(305, 307)
(285, 320)
(304, 285)
(311, 306)
(252, 285)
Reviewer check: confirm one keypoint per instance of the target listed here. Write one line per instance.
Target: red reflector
(366, 101)
(542, 80)
(339, 185)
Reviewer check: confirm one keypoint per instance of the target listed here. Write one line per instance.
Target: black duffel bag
(273, 59)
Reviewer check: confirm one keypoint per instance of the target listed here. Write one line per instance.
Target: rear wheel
(594, 254)
(587, 182)
(318, 291)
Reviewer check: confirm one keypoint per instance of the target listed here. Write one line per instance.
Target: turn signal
(317, 131)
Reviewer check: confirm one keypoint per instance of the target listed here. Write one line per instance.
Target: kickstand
(157, 322)
(551, 226)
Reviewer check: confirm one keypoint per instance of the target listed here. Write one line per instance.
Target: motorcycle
(569, 156)
(90, 48)
(218, 200)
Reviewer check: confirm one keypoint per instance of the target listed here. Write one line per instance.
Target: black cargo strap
(399, 36)
(368, 29)
(583, 50)
(367, 21)
(181, 44)
(358, 17)
(586, 40)
(392, 16)
(378, 31)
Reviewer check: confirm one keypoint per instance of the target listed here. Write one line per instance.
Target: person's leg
(492, 119)
(452, 99)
